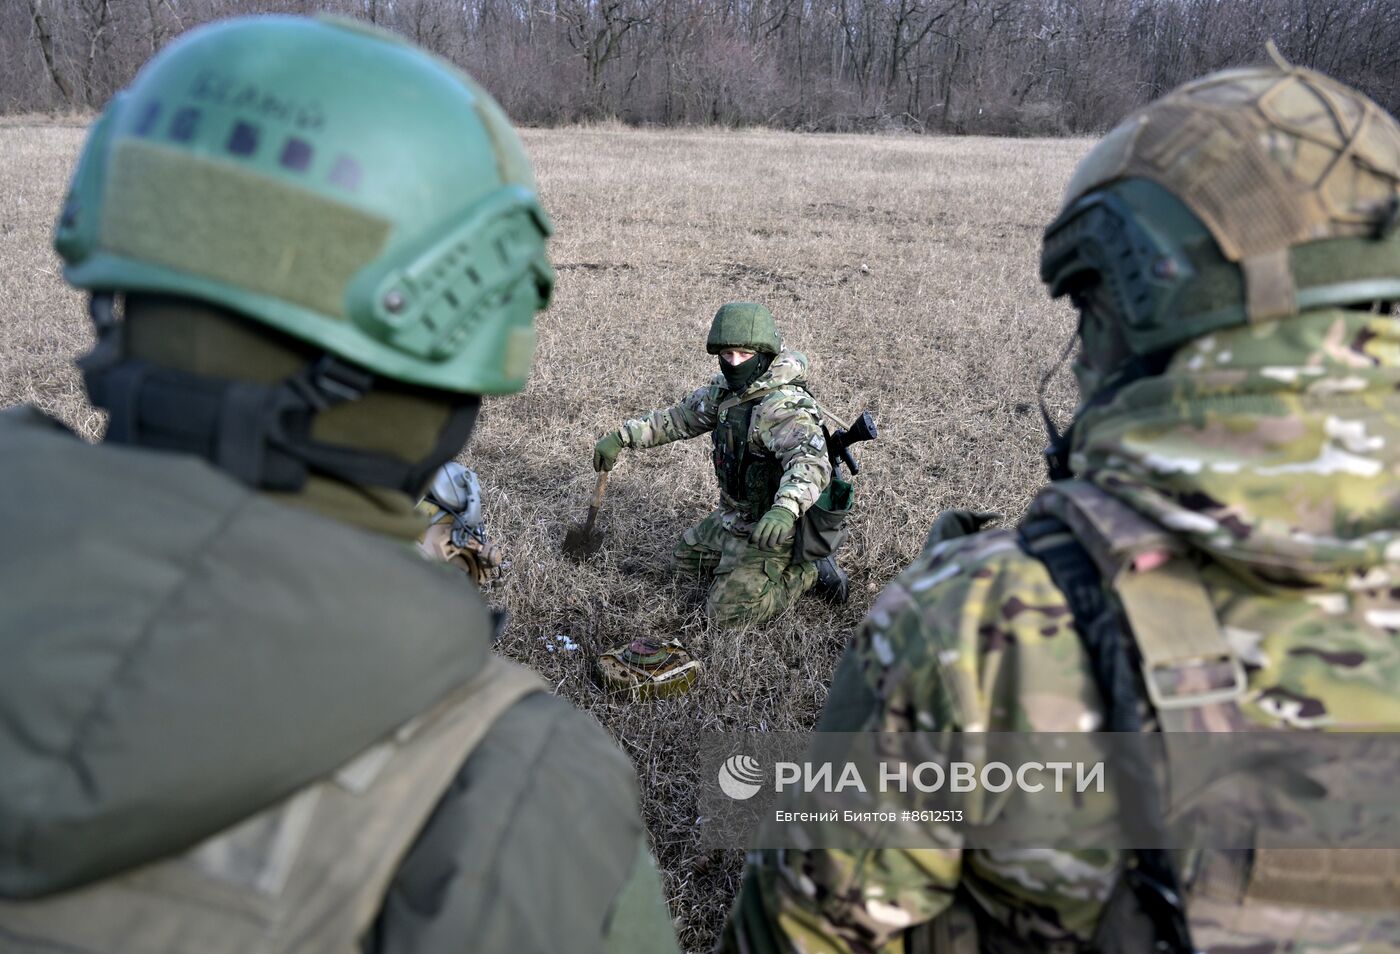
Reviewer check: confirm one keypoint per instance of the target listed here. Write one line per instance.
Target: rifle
(838, 445)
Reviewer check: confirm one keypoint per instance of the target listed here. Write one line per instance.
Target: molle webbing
(1194, 682)
(307, 876)
(1270, 883)
(1155, 885)
(745, 475)
(1338, 879)
(1190, 674)
(1192, 677)
(217, 221)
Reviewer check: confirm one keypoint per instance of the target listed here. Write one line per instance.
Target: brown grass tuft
(904, 267)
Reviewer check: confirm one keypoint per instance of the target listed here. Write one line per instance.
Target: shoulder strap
(823, 414)
(1193, 680)
(1190, 674)
(1153, 880)
(734, 400)
(1050, 541)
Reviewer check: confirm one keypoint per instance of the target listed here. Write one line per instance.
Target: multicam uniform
(1235, 261)
(456, 532)
(769, 450)
(1274, 454)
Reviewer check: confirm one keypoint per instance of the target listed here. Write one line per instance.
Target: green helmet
(746, 325)
(329, 180)
(1246, 196)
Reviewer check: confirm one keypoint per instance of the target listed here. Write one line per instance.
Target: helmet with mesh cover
(1248, 195)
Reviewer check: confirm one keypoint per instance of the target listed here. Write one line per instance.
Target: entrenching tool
(581, 541)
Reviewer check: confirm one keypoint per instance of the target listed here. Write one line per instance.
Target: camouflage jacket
(1273, 455)
(786, 424)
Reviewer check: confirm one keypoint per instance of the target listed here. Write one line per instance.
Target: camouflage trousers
(751, 585)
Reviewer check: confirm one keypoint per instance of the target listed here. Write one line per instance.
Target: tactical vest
(1162, 645)
(748, 475)
(307, 876)
(1163, 641)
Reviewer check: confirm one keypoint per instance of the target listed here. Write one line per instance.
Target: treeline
(1018, 67)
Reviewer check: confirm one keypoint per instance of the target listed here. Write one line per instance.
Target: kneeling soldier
(1216, 553)
(771, 460)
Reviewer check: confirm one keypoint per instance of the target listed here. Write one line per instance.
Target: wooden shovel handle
(598, 491)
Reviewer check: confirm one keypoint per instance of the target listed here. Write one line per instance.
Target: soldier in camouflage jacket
(770, 460)
(1233, 254)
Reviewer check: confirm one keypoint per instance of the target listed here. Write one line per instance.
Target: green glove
(606, 450)
(772, 527)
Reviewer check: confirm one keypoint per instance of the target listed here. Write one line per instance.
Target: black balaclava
(1105, 364)
(740, 376)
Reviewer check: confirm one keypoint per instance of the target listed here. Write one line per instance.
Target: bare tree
(97, 15)
(45, 38)
(595, 29)
(989, 66)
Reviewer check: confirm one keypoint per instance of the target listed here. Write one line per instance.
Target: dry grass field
(904, 267)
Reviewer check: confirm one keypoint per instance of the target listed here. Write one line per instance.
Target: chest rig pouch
(752, 477)
(1157, 650)
(745, 473)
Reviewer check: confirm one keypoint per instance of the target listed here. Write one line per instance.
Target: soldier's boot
(832, 583)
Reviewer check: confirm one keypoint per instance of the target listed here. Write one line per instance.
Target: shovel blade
(581, 542)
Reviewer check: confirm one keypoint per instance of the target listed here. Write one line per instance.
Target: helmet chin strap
(258, 433)
(1056, 452)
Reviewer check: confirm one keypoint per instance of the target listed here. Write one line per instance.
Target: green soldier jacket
(785, 426)
(231, 724)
